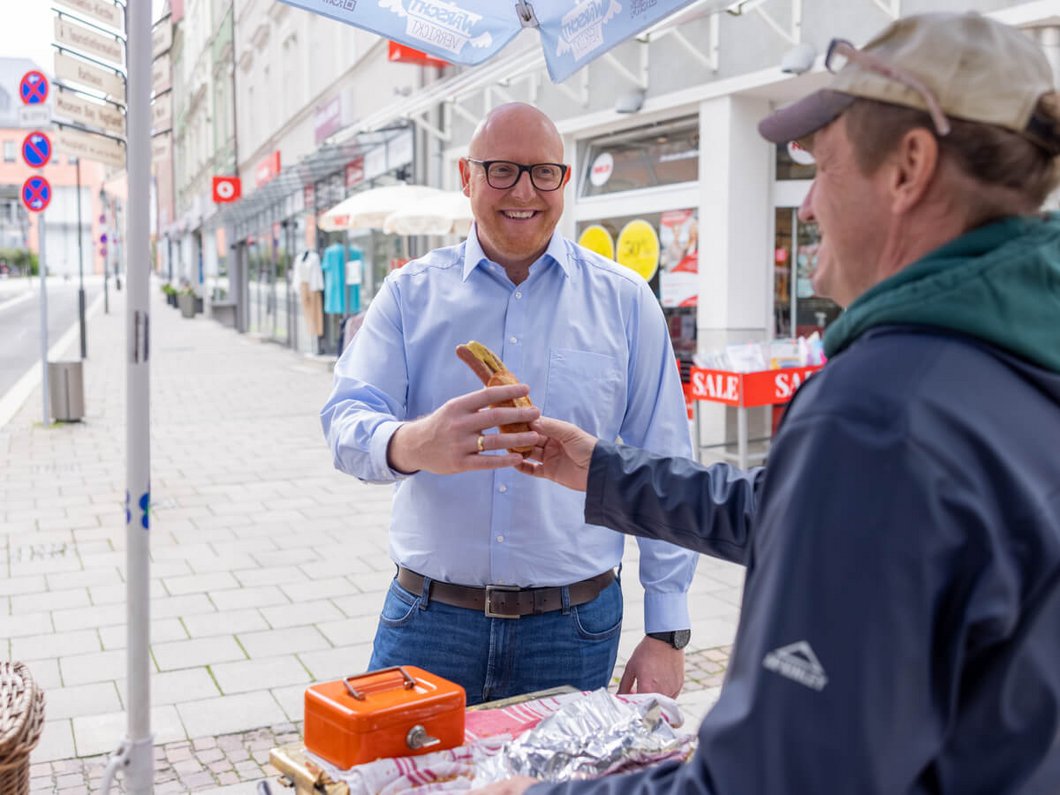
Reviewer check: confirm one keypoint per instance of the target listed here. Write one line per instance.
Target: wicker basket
(21, 721)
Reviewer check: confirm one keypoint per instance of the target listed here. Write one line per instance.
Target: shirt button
(502, 488)
(500, 539)
(518, 295)
(513, 340)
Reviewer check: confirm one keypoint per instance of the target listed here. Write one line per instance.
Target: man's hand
(447, 440)
(654, 667)
(563, 456)
(512, 786)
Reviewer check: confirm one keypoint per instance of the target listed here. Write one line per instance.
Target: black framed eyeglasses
(841, 52)
(504, 174)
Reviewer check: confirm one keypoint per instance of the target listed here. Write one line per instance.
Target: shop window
(663, 248)
(660, 154)
(797, 310)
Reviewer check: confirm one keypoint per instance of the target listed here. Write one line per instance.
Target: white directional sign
(101, 11)
(162, 146)
(76, 37)
(35, 116)
(71, 70)
(161, 38)
(162, 114)
(161, 75)
(91, 147)
(98, 115)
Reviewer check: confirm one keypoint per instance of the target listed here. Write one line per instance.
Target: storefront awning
(327, 161)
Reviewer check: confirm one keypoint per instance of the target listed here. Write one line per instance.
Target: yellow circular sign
(638, 248)
(597, 238)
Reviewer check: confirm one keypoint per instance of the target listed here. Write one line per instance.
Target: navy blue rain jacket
(900, 630)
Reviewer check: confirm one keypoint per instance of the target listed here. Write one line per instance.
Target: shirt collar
(475, 256)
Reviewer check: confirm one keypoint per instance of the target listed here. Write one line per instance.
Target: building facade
(669, 174)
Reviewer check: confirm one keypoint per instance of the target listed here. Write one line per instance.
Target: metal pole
(106, 257)
(80, 268)
(43, 321)
(135, 754)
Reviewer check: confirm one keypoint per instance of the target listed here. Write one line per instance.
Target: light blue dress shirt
(589, 337)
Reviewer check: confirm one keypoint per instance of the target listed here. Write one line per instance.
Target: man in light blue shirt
(501, 585)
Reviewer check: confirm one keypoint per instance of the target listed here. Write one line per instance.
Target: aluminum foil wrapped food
(591, 737)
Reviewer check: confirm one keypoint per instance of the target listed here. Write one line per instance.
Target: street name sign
(81, 39)
(161, 74)
(33, 88)
(36, 193)
(162, 114)
(101, 11)
(106, 82)
(161, 146)
(36, 149)
(105, 118)
(161, 38)
(91, 147)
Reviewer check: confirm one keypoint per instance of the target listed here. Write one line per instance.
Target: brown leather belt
(504, 601)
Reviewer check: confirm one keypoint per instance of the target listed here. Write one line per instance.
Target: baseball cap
(959, 65)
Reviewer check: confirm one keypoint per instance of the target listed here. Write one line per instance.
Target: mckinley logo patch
(798, 663)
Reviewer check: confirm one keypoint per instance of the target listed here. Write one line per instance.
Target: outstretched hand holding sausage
(564, 455)
(450, 439)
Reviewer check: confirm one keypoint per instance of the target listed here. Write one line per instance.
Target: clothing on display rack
(334, 269)
(309, 279)
(354, 271)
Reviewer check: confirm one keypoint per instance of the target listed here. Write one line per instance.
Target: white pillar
(735, 242)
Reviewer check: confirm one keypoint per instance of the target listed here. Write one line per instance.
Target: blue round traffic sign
(33, 88)
(36, 149)
(36, 194)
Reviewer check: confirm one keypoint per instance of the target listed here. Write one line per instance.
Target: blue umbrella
(468, 32)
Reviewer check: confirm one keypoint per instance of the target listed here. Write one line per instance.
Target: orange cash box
(401, 711)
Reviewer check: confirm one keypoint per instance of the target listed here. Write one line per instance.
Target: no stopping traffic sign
(36, 193)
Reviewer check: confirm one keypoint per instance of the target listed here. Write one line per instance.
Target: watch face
(681, 638)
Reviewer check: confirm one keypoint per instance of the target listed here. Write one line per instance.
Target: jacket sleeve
(706, 509)
(848, 658)
(368, 398)
(656, 420)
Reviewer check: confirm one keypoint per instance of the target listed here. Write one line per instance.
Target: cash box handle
(408, 682)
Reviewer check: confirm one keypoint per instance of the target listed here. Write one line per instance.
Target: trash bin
(66, 390)
(21, 722)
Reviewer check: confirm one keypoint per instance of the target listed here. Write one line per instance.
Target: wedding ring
(481, 443)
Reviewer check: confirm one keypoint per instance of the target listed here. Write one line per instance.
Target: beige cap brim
(805, 116)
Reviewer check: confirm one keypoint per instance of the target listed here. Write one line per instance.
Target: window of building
(788, 167)
(797, 310)
(10, 155)
(646, 157)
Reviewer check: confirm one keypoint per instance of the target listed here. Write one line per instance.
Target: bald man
(501, 584)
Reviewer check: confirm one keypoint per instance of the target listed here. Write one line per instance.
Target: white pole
(43, 321)
(136, 753)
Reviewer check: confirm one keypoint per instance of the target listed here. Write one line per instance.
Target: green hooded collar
(999, 283)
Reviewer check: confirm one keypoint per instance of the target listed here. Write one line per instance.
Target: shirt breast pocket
(586, 389)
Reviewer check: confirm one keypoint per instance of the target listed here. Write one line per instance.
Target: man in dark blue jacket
(900, 630)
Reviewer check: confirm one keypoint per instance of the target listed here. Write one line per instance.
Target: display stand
(744, 391)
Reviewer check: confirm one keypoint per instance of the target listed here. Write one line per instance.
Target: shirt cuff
(666, 612)
(380, 443)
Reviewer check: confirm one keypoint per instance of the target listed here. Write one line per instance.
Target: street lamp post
(80, 268)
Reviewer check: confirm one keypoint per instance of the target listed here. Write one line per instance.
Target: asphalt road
(20, 323)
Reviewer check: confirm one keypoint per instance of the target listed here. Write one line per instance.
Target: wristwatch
(678, 638)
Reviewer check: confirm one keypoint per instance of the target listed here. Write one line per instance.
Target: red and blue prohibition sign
(36, 150)
(33, 88)
(36, 194)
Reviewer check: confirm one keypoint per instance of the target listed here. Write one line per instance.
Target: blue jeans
(496, 658)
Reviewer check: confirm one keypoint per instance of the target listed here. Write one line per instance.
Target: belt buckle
(489, 601)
